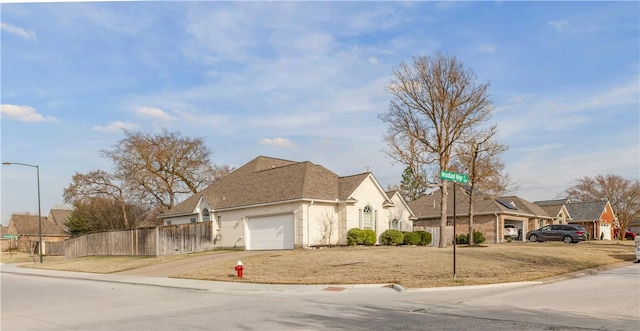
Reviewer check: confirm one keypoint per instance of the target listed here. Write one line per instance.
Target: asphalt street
(51, 300)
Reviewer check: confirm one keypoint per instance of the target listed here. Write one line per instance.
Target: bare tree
(478, 158)
(328, 226)
(96, 184)
(220, 170)
(164, 167)
(623, 195)
(436, 103)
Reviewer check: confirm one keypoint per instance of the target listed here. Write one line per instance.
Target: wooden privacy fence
(54, 248)
(159, 241)
(435, 235)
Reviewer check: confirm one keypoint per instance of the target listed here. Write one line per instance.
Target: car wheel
(567, 239)
(533, 238)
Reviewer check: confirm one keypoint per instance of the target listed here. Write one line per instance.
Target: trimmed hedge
(392, 237)
(369, 237)
(478, 238)
(425, 238)
(411, 238)
(355, 236)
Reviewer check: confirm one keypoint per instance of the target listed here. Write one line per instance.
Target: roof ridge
(354, 175)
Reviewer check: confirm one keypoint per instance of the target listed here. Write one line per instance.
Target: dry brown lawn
(411, 267)
(416, 267)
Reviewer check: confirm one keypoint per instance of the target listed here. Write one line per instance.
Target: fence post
(157, 240)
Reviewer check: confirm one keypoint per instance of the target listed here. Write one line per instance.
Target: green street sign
(454, 176)
(11, 236)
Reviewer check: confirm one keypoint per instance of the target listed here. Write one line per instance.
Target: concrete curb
(214, 286)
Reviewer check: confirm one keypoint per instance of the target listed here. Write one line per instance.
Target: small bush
(391, 237)
(369, 237)
(355, 236)
(478, 237)
(425, 238)
(411, 238)
(463, 239)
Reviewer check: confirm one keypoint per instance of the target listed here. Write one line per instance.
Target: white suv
(510, 231)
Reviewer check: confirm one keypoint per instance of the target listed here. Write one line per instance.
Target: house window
(367, 218)
(206, 217)
(168, 222)
(193, 220)
(219, 222)
(394, 224)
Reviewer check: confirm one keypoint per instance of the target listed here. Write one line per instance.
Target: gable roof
(59, 216)
(391, 194)
(556, 202)
(586, 211)
(270, 180)
(552, 210)
(428, 206)
(28, 225)
(578, 211)
(524, 205)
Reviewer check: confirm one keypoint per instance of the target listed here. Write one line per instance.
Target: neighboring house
(5, 242)
(555, 209)
(596, 216)
(27, 228)
(635, 226)
(271, 203)
(490, 215)
(59, 216)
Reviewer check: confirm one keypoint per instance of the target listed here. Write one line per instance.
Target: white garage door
(270, 232)
(605, 229)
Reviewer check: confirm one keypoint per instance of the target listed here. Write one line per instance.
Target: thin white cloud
(116, 126)
(280, 142)
(558, 25)
(487, 48)
(24, 114)
(18, 31)
(557, 113)
(154, 112)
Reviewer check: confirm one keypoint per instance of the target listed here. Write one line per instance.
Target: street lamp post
(39, 212)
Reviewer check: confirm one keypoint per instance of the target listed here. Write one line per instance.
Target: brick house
(27, 228)
(596, 216)
(490, 214)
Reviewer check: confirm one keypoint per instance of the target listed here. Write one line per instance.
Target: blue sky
(306, 81)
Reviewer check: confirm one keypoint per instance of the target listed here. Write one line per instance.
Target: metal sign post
(455, 178)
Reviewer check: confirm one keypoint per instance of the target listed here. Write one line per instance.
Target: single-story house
(6, 243)
(59, 216)
(271, 204)
(596, 216)
(490, 214)
(27, 228)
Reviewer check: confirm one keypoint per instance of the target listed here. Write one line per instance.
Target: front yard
(416, 267)
(411, 267)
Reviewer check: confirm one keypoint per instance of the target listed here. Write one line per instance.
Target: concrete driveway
(174, 268)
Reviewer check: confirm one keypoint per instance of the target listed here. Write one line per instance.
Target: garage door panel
(270, 232)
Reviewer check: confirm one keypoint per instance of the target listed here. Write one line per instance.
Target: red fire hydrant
(239, 268)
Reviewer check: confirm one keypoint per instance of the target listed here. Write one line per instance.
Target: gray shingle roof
(428, 206)
(267, 180)
(557, 202)
(28, 225)
(586, 211)
(578, 211)
(59, 216)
